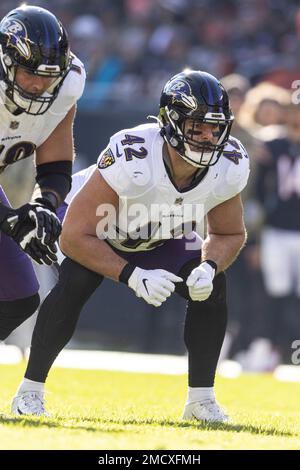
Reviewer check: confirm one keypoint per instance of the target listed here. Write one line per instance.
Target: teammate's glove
(46, 221)
(200, 281)
(35, 228)
(154, 286)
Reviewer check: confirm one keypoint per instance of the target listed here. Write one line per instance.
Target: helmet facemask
(32, 39)
(183, 135)
(189, 100)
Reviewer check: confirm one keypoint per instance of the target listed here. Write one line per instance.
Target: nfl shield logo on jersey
(14, 125)
(178, 201)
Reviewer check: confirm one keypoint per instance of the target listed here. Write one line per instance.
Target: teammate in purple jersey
(40, 82)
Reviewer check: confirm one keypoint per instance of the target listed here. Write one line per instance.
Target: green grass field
(115, 410)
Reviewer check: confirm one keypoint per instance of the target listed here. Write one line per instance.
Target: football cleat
(29, 403)
(207, 410)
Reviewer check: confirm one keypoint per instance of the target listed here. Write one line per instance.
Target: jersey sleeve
(71, 89)
(76, 82)
(235, 171)
(78, 180)
(124, 165)
(69, 93)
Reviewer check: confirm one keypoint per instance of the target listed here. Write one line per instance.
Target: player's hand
(41, 254)
(200, 282)
(35, 228)
(154, 286)
(47, 224)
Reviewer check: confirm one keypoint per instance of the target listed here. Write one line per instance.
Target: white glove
(154, 285)
(200, 282)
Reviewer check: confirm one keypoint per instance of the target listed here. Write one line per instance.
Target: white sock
(31, 386)
(200, 394)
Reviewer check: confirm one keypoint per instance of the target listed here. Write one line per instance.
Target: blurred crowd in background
(131, 47)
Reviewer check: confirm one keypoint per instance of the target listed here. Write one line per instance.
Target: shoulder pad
(126, 162)
(73, 85)
(234, 168)
(78, 180)
(234, 151)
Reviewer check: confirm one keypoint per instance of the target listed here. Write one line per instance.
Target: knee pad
(15, 312)
(76, 280)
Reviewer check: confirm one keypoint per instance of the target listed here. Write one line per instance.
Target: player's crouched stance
(188, 158)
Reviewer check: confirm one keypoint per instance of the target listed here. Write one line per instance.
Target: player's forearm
(54, 181)
(94, 254)
(223, 249)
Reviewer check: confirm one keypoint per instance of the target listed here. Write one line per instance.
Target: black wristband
(55, 177)
(51, 198)
(126, 273)
(45, 201)
(211, 263)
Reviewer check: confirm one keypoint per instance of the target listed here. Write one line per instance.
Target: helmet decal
(181, 93)
(17, 37)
